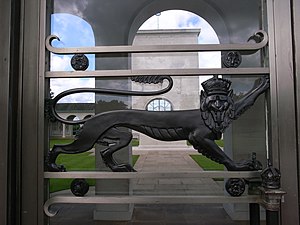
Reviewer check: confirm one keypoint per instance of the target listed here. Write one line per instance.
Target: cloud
(76, 7)
(58, 85)
(66, 27)
(209, 60)
(61, 84)
(172, 19)
(60, 63)
(179, 19)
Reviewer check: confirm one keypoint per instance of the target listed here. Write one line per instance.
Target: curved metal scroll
(140, 79)
(260, 37)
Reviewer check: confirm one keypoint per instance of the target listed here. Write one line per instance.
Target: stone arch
(206, 10)
(71, 130)
(88, 116)
(71, 117)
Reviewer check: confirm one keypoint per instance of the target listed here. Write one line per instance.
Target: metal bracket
(271, 198)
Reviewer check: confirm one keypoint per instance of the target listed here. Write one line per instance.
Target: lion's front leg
(211, 150)
(51, 157)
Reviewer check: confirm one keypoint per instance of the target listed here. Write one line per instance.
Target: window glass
(159, 105)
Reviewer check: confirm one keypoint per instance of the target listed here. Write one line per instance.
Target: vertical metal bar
(43, 138)
(283, 111)
(32, 176)
(296, 42)
(5, 10)
(254, 212)
(14, 148)
(272, 217)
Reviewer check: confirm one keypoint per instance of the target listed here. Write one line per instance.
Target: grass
(220, 143)
(135, 142)
(74, 162)
(207, 164)
(134, 159)
(60, 142)
(82, 161)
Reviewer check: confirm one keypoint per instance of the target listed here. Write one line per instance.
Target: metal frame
(172, 72)
(138, 175)
(283, 143)
(32, 193)
(148, 200)
(153, 199)
(4, 104)
(296, 43)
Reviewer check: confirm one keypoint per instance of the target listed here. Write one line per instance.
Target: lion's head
(216, 104)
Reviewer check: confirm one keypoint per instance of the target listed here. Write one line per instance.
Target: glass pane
(117, 23)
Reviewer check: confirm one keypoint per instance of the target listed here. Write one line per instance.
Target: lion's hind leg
(84, 143)
(120, 139)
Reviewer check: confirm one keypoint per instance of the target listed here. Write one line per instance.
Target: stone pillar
(246, 135)
(110, 187)
(64, 130)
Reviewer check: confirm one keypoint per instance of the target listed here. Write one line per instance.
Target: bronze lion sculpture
(201, 127)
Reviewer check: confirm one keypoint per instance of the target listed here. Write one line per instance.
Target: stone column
(110, 187)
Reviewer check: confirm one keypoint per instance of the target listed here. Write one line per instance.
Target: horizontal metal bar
(250, 48)
(156, 72)
(147, 200)
(144, 175)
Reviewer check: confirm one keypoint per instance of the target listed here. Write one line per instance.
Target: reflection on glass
(66, 27)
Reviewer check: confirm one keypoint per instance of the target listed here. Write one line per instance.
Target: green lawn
(206, 163)
(134, 159)
(82, 161)
(218, 142)
(60, 142)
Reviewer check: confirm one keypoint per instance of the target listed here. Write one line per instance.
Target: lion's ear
(203, 94)
(230, 93)
(203, 98)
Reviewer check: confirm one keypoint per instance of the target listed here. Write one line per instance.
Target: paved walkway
(170, 161)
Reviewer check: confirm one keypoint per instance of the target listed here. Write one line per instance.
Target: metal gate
(257, 50)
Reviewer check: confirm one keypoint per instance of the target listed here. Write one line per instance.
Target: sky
(67, 26)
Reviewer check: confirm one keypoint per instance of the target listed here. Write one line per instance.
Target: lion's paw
(246, 165)
(52, 167)
(123, 168)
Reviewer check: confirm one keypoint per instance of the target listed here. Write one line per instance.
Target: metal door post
(254, 214)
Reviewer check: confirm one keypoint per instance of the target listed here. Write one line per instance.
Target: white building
(185, 92)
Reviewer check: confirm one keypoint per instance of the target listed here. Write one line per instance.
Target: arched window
(159, 104)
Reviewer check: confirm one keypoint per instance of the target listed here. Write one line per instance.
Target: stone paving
(170, 161)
